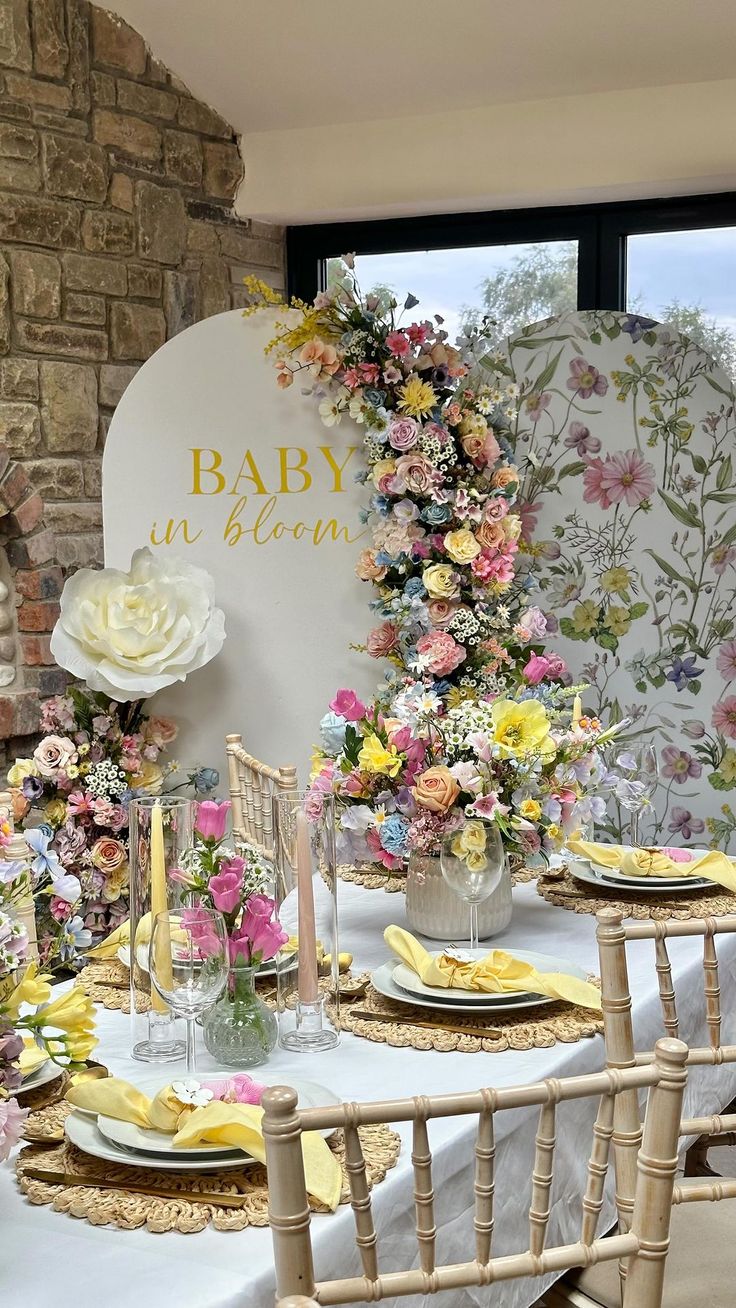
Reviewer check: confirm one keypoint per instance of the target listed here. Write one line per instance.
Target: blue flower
(383, 559)
(374, 396)
(46, 860)
(683, 670)
(392, 834)
(76, 936)
(415, 588)
(332, 730)
(381, 504)
(436, 514)
(205, 780)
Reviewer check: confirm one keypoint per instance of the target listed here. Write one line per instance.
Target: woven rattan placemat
(578, 896)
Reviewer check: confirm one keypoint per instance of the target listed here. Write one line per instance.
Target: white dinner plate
(610, 878)
(135, 1140)
(47, 1072)
(384, 983)
(82, 1131)
(407, 979)
(130, 1136)
(266, 969)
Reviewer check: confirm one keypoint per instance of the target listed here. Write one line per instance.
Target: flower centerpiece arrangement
(474, 718)
(128, 635)
(232, 877)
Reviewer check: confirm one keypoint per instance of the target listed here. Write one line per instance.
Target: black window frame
(601, 231)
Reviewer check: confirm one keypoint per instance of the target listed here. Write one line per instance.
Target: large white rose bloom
(129, 634)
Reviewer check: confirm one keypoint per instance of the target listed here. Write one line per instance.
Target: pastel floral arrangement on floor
(474, 716)
(232, 877)
(128, 634)
(408, 775)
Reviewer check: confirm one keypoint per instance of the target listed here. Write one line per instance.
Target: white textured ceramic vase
(433, 910)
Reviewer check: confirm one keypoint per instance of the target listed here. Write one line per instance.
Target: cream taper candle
(159, 904)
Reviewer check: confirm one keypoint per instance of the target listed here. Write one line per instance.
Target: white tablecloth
(48, 1259)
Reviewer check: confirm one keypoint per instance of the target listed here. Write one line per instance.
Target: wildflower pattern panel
(626, 431)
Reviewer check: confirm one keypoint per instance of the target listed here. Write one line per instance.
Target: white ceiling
(268, 64)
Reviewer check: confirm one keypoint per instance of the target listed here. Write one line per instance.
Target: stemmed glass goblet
(188, 963)
(639, 767)
(472, 861)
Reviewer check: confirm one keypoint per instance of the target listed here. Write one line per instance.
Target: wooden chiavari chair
(693, 1232)
(645, 1244)
(252, 787)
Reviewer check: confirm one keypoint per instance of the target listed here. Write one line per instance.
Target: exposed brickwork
(116, 232)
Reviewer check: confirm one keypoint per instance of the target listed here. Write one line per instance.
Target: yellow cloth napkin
(653, 863)
(216, 1123)
(240, 1125)
(32, 1057)
(497, 973)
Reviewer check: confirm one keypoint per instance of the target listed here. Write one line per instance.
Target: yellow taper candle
(308, 989)
(577, 710)
(159, 904)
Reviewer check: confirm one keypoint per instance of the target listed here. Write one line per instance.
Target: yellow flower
(520, 729)
(417, 398)
(55, 812)
(441, 581)
(585, 616)
(616, 581)
(511, 526)
(728, 765)
(554, 832)
(475, 860)
(79, 1045)
(374, 757)
(462, 546)
(150, 778)
(530, 809)
(22, 768)
(461, 695)
(618, 619)
(33, 988)
(73, 1012)
(383, 468)
(316, 760)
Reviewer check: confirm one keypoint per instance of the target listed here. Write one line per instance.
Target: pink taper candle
(308, 989)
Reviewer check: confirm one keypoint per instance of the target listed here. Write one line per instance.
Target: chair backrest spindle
(252, 786)
(544, 1147)
(485, 1159)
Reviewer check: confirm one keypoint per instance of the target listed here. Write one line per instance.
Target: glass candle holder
(161, 829)
(308, 998)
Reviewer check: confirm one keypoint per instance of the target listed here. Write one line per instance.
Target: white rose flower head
(129, 634)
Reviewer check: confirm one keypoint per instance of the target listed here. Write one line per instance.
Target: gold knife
(489, 1032)
(189, 1196)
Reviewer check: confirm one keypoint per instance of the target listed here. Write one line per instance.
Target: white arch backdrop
(247, 482)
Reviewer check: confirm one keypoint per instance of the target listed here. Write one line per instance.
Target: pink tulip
(347, 704)
(259, 935)
(212, 819)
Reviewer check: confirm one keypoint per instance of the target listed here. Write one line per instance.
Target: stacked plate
(48, 1071)
(584, 869)
(131, 1145)
(399, 982)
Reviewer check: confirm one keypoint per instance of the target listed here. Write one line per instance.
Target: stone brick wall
(116, 232)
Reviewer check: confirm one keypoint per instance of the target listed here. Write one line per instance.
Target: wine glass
(472, 860)
(188, 963)
(639, 768)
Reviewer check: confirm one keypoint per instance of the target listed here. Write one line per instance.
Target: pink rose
(212, 819)
(60, 910)
(441, 652)
(347, 704)
(160, 731)
(403, 434)
(495, 509)
(415, 473)
(382, 641)
(54, 754)
(441, 612)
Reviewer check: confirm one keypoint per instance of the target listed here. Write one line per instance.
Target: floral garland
(474, 719)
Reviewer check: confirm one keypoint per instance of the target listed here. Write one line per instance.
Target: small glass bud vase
(240, 1030)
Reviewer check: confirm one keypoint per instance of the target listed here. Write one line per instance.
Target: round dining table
(52, 1260)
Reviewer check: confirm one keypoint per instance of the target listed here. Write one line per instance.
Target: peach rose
(366, 567)
(160, 731)
(436, 789)
(490, 535)
(54, 754)
(415, 473)
(503, 477)
(108, 854)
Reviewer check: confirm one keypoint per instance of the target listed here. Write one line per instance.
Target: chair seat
(701, 1263)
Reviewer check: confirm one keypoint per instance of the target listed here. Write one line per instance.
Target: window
(658, 257)
(511, 284)
(688, 279)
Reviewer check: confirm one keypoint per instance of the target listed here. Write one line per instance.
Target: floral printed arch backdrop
(628, 430)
